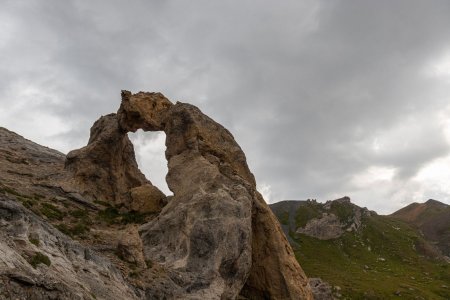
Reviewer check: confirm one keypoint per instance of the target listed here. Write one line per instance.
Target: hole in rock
(149, 148)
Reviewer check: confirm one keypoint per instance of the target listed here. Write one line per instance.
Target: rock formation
(332, 219)
(106, 169)
(321, 289)
(39, 262)
(215, 238)
(327, 227)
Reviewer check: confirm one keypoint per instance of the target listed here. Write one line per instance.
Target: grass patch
(38, 197)
(34, 241)
(6, 189)
(80, 214)
(284, 218)
(28, 203)
(111, 215)
(133, 217)
(39, 258)
(77, 230)
(133, 274)
(51, 211)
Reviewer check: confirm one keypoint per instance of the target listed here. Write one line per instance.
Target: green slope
(385, 258)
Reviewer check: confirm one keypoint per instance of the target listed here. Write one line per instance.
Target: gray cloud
(316, 92)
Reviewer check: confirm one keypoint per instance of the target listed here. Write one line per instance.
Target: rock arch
(216, 237)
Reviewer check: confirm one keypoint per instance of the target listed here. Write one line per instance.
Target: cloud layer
(327, 98)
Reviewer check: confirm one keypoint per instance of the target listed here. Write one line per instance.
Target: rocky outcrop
(325, 228)
(216, 234)
(332, 219)
(39, 262)
(106, 169)
(321, 290)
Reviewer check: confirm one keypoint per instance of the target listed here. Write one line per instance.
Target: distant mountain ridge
(432, 218)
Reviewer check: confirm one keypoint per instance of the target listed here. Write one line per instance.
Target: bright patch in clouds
(41, 126)
(440, 67)
(435, 178)
(373, 175)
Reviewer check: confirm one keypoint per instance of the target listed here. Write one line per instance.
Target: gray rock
(71, 274)
(324, 228)
(321, 289)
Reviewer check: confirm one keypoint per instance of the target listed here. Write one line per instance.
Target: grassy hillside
(385, 258)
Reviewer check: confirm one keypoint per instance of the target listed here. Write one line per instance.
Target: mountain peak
(435, 202)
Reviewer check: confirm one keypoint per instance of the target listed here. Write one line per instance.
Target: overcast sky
(326, 98)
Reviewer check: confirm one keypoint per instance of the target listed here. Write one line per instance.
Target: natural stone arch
(216, 238)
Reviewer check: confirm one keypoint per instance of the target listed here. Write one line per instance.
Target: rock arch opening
(150, 148)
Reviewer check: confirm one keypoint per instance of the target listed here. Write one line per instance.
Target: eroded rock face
(216, 237)
(106, 168)
(63, 269)
(325, 228)
(337, 217)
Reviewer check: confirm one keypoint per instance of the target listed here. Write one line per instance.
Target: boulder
(147, 199)
(321, 290)
(129, 247)
(325, 228)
